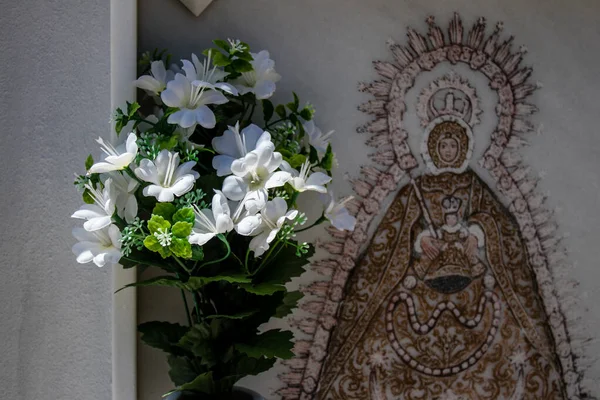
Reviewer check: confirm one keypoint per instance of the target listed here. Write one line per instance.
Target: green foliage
(89, 161)
(123, 117)
(203, 383)
(268, 110)
(167, 239)
(184, 215)
(181, 369)
(290, 301)
(273, 343)
(162, 335)
(228, 296)
(165, 210)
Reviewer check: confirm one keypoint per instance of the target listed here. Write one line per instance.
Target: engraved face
(448, 149)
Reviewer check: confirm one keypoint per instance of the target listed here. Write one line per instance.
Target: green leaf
(162, 335)
(314, 155)
(87, 197)
(290, 301)
(267, 110)
(203, 383)
(285, 266)
(297, 160)
(224, 44)
(240, 315)
(273, 343)
(306, 114)
(181, 370)
(165, 210)
(197, 253)
(219, 59)
(244, 366)
(152, 244)
(241, 65)
(181, 229)
(327, 161)
(262, 289)
(197, 282)
(164, 252)
(293, 106)
(167, 143)
(199, 340)
(280, 110)
(89, 161)
(185, 215)
(132, 108)
(181, 247)
(164, 280)
(158, 222)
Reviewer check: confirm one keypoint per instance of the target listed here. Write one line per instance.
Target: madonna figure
(444, 304)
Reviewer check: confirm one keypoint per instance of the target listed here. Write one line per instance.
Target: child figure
(454, 251)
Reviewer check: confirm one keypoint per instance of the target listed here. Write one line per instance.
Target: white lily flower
(125, 200)
(192, 99)
(234, 145)
(102, 246)
(261, 80)
(210, 223)
(98, 215)
(301, 181)
(156, 82)
(316, 138)
(338, 214)
(253, 175)
(168, 179)
(117, 158)
(265, 226)
(201, 71)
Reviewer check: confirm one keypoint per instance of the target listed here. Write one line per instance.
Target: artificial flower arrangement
(202, 188)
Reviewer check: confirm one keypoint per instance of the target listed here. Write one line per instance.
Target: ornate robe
(399, 337)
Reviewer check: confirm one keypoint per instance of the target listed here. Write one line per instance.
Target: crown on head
(451, 204)
(450, 95)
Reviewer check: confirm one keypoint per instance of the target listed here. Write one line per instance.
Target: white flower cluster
(254, 172)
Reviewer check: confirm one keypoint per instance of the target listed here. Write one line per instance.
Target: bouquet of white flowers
(202, 189)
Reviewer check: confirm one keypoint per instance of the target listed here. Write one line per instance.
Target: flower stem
(222, 239)
(246, 262)
(132, 174)
(187, 309)
(321, 219)
(270, 124)
(264, 260)
(182, 265)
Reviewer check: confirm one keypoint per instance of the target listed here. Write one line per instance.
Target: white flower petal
(249, 226)
(222, 164)
(102, 167)
(131, 209)
(88, 211)
(226, 87)
(213, 97)
(256, 200)
(259, 244)
(278, 179)
(205, 117)
(97, 223)
(264, 89)
(183, 185)
(234, 188)
(147, 171)
(200, 238)
(185, 118)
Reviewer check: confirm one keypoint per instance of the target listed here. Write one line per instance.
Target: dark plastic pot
(239, 393)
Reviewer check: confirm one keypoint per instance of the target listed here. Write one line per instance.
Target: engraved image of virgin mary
(444, 298)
